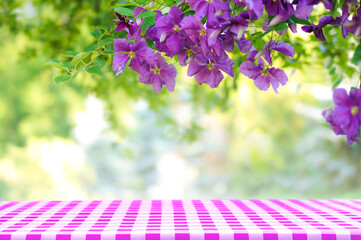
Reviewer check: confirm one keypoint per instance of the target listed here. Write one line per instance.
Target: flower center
(202, 32)
(209, 1)
(131, 55)
(352, 10)
(156, 70)
(210, 65)
(264, 72)
(189, 52)
(176, 28)
(354, 111)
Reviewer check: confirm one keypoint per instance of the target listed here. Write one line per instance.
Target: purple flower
(187, 54)
(347, 112)
(235, 33)
(352, 25)
(125, 23)
(159, 74)
(238, 26)
(211, 9)
(284, 48)
(278, 8)
(207, 69)
(328, 116)
(194, 31)
(138, 53)
(325, 20)
(168, 31)
(262, 76)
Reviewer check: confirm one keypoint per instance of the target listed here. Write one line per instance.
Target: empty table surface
(181, 219)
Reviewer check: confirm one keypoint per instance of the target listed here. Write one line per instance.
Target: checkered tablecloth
(181, 220)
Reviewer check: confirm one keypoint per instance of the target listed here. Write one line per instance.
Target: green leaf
(104, 27)
(67, 65)
(297, 20)
(124, 11)
(146, 14)
(70, 53)
(357, 55)
(258, 44)
(52, 62)
(97, 33)
(190, 12)
(62, 65)
(148, 22)
(108, 2)
(282, 26)
(79, 57)
(108, 52)
(141, 2)
(100, 61)
(62, 78)
(337, 83)
(105, 41)
(122, 2)
(94, 70)
(90, 48)
(264, 34)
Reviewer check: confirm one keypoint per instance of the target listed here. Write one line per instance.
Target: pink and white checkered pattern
(181, 220)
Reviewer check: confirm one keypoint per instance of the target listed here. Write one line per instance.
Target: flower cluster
(203, 34)
(202, 39)
(345, 117)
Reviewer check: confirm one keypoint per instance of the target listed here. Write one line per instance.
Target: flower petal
(194, 68)
(175, 43)
(215, 78)
(176, 15)
(121, 44)
(262, 82)
(168, 75)
(157, 83)
(340, 97)
(250, 70)
(119, 61)
(279, 75)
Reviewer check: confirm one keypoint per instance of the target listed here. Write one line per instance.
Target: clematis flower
(152, 35)
(317, 29)
(235, 33)
(160, 74)
(125, 23)
(137, 33)
(335, 127)
(168, 31)
(187, 54)
(211, 9)
(207, 69)
(238, 26)
(194, 31)
(284, 48)
(139, 55)
(351, 18)
(347, 112)
(263, 77)
(280, 9)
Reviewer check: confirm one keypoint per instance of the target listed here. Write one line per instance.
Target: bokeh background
(114, 138)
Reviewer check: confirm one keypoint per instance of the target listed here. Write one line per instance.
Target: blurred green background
(114, 138)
